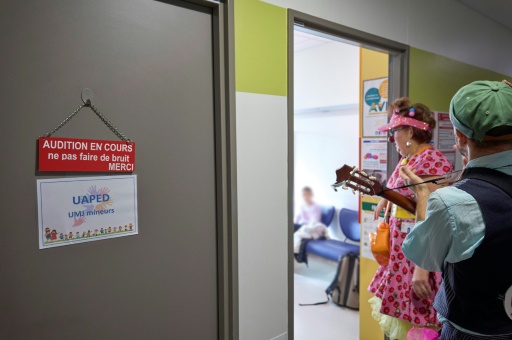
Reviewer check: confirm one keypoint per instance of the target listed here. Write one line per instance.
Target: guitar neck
(400, 200)
(350, 177)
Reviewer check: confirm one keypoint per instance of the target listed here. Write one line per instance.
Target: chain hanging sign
(86, 155)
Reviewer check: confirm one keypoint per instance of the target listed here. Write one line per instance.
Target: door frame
(225, 164)
(398, 87)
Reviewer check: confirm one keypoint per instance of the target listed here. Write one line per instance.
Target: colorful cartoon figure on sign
(48, 234)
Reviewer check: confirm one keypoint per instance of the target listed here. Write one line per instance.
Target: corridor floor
(323, 322)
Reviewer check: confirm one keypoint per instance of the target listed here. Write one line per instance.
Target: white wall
(262, 171)
(325, 76)
(445, 27)
(324, 141)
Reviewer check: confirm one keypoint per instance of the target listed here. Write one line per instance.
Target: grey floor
(324, 322)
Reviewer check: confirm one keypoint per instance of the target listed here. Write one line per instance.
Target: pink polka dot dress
(393, 283)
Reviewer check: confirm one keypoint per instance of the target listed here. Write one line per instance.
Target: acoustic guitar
(348, 177)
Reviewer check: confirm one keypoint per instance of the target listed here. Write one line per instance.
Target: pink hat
(397, 120)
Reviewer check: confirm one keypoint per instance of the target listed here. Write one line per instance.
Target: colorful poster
(374, 158)
(368, 225)
(375, 106)
(76, 210)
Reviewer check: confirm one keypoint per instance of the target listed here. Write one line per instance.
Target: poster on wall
(368, 225)
(77, 210)
(374, 158)
(375, 106)
(445, 137)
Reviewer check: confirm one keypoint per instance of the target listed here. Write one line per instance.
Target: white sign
(375, 106)
(374, 154)
(76, 210)
(445, 136)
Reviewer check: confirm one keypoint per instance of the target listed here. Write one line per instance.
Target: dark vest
(472, 293)
(473, 290)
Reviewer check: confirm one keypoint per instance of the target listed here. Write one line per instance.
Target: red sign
(85, 155)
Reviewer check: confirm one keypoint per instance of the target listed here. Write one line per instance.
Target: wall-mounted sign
(76, 210)
(374, 158)
(85, 155)
(445, 136)
(375, 106)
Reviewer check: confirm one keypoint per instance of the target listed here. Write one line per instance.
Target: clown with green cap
(466, 228)
(482, 111)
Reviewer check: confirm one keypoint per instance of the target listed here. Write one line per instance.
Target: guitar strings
(434, 181)
(440, 179)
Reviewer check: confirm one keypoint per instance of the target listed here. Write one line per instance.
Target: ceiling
(497, 10)
(304, 41)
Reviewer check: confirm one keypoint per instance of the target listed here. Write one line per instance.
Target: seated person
(309, 212)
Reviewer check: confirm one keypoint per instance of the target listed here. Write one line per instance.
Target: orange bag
(379, 243)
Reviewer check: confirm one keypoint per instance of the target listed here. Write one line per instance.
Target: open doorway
(331, 69)
(326, 132)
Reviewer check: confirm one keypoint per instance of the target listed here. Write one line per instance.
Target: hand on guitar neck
(357, 180)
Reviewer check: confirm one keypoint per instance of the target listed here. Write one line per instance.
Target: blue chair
(334, 249)
(328, 214)
(350, 225)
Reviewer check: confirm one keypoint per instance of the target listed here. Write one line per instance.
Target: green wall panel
(434, 79)
(260, 47)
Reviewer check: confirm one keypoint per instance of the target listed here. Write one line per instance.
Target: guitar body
(357, 180)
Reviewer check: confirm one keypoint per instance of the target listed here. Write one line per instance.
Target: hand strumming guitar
(421, 189)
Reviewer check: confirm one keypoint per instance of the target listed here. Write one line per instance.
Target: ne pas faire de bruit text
(66, 154)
